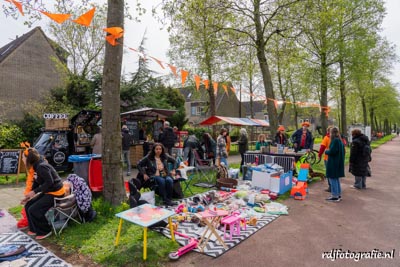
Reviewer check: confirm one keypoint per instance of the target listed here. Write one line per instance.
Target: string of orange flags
(114, 33)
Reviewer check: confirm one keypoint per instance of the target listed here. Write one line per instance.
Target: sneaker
(40, 237)
(128, 174)
(333, 199)
(354, 187)
(327, 190)
(31, 233)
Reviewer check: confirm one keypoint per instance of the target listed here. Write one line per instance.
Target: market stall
(134, 120)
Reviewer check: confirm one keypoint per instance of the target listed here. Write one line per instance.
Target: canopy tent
(144, 114)
(219, 120)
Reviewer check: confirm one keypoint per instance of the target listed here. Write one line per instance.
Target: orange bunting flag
(158, 61)
(184, 75)
(225, 88)
(114, 34)
(197, 81)
(86, 19)
(206, 84)
(18, 5)
(111, 40)
(233, 90)
(59, 18)
(215, 85)
(173, 69)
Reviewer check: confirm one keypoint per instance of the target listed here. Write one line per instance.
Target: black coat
(243, 144)
(148, 165)
(358, 160)
(168, 137)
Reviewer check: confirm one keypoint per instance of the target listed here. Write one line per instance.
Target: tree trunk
(364, 110)
(324, 91)
(342, 84)
(262, 60)
(114, 191)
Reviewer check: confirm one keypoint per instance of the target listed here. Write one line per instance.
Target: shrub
(11, 136)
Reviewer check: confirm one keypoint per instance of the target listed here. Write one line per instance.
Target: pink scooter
(183, 250)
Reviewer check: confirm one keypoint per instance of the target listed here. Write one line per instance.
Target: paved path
(365, 220)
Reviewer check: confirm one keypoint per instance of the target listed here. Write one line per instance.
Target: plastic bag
(149, 196)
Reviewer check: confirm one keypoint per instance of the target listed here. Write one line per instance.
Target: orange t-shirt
(326, 142)
(29, 181)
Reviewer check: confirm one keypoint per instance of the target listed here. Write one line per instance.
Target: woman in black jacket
(155, 166)
(243, 145)
(46, 185)
(359, 159)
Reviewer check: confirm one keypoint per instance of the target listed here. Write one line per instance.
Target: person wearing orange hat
(281, 137)
(302, 138)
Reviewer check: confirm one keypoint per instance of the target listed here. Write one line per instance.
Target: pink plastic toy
(234, 221)
(183, 250)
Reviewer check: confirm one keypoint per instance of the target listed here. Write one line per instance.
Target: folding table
(212, 220)
(145, 216)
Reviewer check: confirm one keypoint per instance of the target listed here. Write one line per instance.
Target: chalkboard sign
(133, 129)
(10, 161)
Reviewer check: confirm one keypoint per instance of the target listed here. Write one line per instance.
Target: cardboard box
(55, 124)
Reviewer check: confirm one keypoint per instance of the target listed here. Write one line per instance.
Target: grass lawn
(95, 240)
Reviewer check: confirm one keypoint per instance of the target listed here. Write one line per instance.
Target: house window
(197, 111)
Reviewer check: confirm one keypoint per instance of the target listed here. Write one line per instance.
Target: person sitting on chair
(155, 166)
(46, 185)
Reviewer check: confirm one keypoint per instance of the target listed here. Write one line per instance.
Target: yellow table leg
(171, 228)
(119, 232)
(145, 243)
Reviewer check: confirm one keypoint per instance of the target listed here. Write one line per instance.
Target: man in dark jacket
(302, 138)
(126, 146)
(168, 137)
(359, 159)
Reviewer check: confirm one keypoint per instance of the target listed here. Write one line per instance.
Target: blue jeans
(126, 155)
(336, 189)
(165, 185)
(225, 161)
(329, 183)
(360, 181)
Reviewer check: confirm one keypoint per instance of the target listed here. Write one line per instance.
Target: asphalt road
(365, 220)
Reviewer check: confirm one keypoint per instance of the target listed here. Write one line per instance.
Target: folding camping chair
(64, 210)
(203, 166)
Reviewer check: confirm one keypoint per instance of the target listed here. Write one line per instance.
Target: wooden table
(145, 216)
(212, 220)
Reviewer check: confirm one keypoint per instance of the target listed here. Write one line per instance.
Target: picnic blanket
(37, 255)
(213, 248)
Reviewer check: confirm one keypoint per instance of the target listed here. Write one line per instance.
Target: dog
(314, 174)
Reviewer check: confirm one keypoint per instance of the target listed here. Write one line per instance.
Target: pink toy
(234, 222)
(180, 208)
(183, 250)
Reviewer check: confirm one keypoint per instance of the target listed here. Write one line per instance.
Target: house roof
(6, 50)
(148, 113)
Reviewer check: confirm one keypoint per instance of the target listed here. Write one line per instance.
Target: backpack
(367, 152)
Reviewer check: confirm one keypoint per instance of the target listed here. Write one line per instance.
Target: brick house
(197, 104)
(30, 66)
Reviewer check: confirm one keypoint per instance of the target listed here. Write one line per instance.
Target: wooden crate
(54, 124)
(136, 154)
